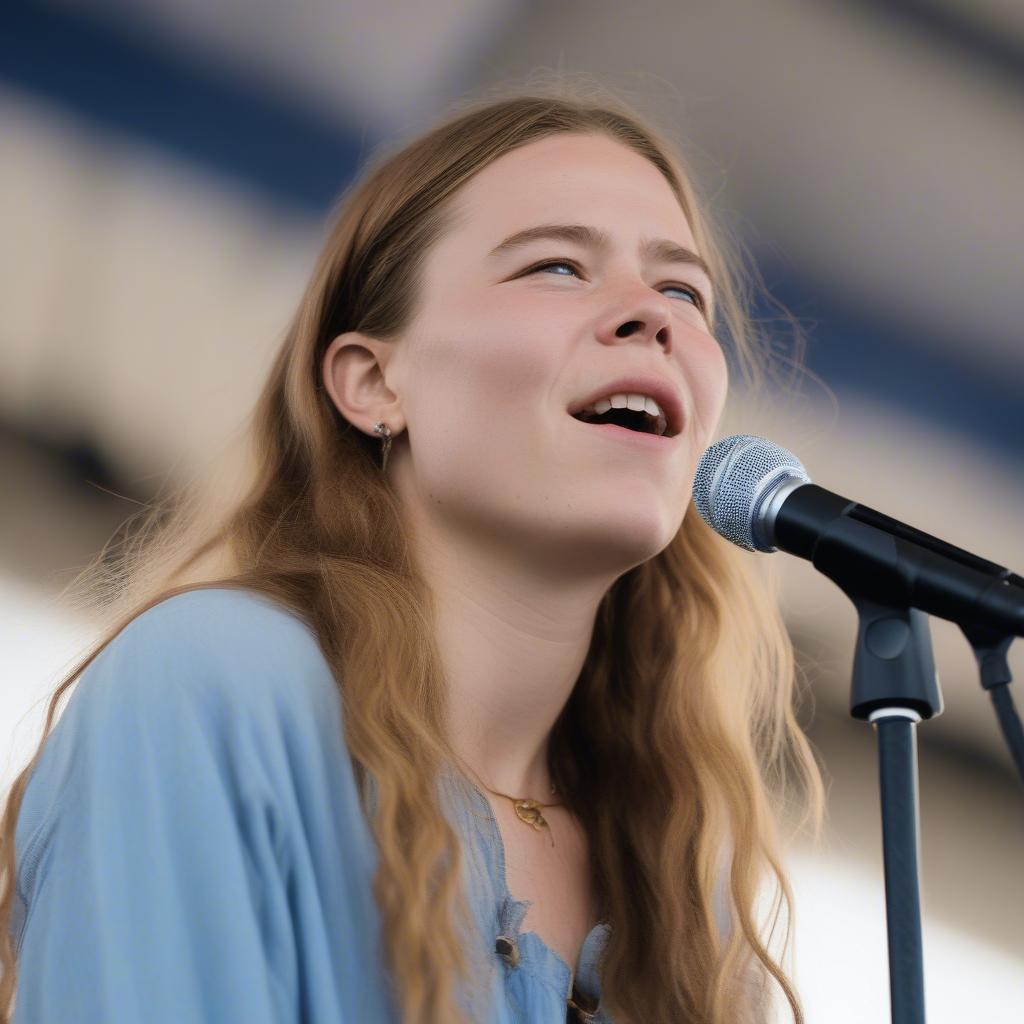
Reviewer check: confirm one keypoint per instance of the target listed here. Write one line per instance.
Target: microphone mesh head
(734, 479)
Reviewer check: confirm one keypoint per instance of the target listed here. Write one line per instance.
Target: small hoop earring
(385, 435)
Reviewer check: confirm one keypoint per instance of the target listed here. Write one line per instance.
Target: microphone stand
(894, 686)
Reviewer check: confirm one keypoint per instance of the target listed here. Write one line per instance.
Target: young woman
(461, 713)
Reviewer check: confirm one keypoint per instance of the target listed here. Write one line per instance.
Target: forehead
(569, 178)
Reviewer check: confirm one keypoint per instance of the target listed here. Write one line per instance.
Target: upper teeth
(636, 402)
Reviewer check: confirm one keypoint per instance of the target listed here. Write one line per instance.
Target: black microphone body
(886, 560)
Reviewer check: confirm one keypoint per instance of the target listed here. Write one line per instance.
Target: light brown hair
(676, 744)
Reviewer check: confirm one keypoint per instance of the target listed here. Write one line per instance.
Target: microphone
(758, 495)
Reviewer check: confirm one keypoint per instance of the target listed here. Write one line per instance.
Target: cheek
(486, 381)
(707, 372)
(498, 355)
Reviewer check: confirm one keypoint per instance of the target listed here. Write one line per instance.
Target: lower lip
(617, 433)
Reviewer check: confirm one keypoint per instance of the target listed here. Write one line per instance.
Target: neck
(512, 648)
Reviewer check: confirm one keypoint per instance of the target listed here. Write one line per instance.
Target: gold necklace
(527, 810)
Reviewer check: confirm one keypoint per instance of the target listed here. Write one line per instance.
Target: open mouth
(642, 422)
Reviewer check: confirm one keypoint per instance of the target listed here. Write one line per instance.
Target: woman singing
(459, 713)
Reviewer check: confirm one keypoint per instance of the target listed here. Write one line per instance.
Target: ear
(353, 374)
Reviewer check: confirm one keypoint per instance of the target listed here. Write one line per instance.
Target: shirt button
(507, 948)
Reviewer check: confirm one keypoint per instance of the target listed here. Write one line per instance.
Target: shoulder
(210, 669)
(219, 625)
(210, 646)
(207, 690)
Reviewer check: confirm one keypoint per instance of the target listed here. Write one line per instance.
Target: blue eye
(555, 263)
(698, 299)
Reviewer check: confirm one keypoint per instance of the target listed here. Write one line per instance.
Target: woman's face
(499, 351)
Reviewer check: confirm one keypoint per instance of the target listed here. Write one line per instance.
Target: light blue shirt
(191, 846)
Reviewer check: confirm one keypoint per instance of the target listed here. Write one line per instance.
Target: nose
(642, 315)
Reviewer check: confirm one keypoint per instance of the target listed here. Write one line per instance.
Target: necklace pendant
(530, 812)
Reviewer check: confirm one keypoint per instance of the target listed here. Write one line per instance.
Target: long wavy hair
(679, 742)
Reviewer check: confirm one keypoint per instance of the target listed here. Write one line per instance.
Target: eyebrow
(661, 249)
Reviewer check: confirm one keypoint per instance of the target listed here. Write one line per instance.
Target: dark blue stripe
(127, 83)
(856, 354)
(960, 30)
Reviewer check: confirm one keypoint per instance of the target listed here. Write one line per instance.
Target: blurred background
(166, 170)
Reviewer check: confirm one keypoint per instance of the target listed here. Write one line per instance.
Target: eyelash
(698, 297)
